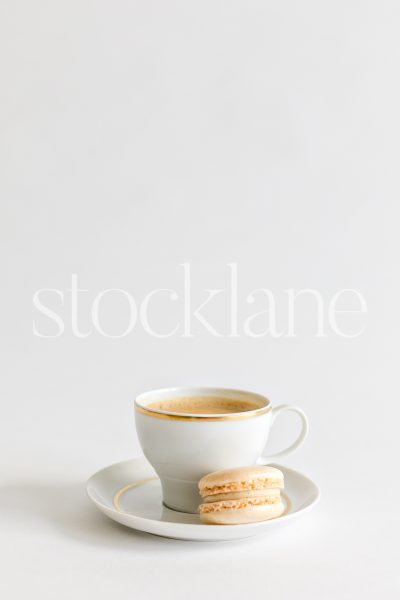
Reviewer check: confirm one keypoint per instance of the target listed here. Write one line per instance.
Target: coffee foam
(199, 405)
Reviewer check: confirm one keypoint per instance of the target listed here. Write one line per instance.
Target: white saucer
(130, 493)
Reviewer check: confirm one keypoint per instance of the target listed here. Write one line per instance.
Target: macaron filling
(243, 494)
(237, 486)
(236, 504)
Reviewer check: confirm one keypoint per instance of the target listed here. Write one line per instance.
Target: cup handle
(264, 460)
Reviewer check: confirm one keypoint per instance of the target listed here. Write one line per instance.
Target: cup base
(181, 496)
(186, 512)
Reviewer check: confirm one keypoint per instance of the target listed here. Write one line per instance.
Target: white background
(136, 136)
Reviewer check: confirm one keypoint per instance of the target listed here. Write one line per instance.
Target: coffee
(201, 405)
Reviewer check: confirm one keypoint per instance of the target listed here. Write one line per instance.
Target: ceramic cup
(184, 447)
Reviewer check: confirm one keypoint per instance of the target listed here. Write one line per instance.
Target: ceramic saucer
(130, 493)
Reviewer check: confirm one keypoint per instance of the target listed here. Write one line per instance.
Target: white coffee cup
(184, 447)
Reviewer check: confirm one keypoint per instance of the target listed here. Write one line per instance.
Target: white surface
(138, 136)
(141, 508)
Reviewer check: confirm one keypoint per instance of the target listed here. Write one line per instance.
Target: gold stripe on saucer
(127, 487)
(231, 417)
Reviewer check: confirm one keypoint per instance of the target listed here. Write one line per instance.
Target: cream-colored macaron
(242, 495)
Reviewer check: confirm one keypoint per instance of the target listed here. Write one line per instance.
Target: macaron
(242, 495)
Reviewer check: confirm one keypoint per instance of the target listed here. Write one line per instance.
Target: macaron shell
(246, 514)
